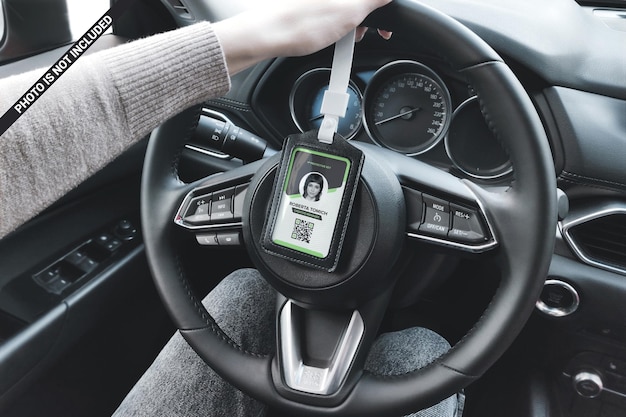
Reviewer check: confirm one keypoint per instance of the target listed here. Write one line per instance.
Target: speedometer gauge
(407, 107)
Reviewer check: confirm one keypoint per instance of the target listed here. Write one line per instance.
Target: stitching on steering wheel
(197, 110)
(208, 319)
(192, 297)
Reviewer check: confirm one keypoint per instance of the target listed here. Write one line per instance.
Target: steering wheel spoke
(440, 208)
(448, 221)
(317, 362)
(212, 209)
(322, 352)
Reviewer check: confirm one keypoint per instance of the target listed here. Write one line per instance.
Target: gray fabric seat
(180, 384)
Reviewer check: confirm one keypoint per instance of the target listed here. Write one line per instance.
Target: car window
(1, 23)
(83, 14)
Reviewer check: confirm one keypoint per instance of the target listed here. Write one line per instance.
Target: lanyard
(335, 101)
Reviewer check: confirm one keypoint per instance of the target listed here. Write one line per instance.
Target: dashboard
(410, 103)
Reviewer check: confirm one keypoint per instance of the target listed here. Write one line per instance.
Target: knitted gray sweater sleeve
(104, 103)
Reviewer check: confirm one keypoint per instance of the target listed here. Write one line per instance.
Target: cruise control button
(437, 217)
(221, 205)
(466, 225)
(228, 239)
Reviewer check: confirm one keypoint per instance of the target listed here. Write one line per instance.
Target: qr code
(302, 230)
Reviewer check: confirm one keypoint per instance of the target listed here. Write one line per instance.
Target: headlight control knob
(588, 384)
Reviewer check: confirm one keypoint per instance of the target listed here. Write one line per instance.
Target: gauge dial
(472, 146)
(407, 107)
(306, 98)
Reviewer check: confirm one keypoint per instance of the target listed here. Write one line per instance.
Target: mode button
(437, 217)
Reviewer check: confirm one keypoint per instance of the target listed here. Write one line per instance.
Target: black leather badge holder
(313, 195)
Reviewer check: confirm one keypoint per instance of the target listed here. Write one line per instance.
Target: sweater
(100, 106)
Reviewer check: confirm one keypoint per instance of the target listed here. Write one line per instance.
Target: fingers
(360, 33)
(361, 30)
(385, 34)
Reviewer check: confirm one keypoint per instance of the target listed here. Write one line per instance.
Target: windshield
(83, 14)
(1, 23)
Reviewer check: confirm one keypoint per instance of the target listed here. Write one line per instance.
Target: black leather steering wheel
(519, 230)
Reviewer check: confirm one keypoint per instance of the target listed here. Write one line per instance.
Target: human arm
(110, 100)
(289, 28)
(103, 104)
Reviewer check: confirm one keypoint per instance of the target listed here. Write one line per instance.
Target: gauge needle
(397, 116)
(316, 118)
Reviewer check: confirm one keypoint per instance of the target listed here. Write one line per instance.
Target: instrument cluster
(406, 106)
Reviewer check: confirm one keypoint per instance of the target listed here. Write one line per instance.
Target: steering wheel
(393, 199)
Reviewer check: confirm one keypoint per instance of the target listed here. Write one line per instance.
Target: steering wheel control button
(414, 208)
(238, 197)
(219, 239)
(202, 209)
(211, 208)
(437, 217)
(228, 239)
(198, 210)
(207, 239)
(466, 225)
(221, 205)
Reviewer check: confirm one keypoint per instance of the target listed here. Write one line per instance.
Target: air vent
(603, 239)
(599, 238)
(180, 9)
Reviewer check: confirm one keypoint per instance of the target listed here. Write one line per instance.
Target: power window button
(108, 242)
(79, 259)
(49, 275)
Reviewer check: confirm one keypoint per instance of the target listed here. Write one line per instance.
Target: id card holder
(313, 195)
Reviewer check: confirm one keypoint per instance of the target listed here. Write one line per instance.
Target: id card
(314, 193)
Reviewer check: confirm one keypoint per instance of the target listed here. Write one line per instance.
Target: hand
(276, 28)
